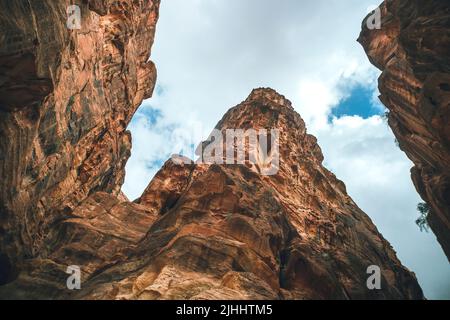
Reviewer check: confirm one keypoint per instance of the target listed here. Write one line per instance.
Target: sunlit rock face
(227, 231)
(66, 98)
(413, 50)
(200, 230)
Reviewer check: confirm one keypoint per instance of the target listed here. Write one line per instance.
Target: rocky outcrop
(66, 98)
(412, 48)
(210, 231)
(200, 230)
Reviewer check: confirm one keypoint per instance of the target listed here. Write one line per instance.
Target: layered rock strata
(66, 98)
(200, 230)
(412, 48)
(225, 231)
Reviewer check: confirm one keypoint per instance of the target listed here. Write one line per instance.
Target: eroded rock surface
(209, 231)
(199, 231)
(66, 98)
(412, 48)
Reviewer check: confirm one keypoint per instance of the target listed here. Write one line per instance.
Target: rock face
(199, 231)
(66, 98)
(412, 48)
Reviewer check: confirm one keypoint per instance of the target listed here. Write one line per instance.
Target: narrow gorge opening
(287, 228)
(207, 64)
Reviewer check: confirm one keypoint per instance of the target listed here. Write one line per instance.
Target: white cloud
(211, 53)
(363, 154)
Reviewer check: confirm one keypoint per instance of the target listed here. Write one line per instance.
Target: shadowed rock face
(66, 98)
(199, 231)
(412, 48)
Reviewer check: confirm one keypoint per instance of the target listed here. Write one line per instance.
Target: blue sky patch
(359, 103)
(155, 164)
(159, 90)
(150, 113)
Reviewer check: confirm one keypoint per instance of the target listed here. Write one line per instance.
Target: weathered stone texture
(412, 48)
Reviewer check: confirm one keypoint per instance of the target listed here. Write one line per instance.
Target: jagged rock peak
(264, 108)
(264, 95)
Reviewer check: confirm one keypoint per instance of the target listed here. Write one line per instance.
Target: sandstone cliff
(66, 98)
(413, 50)
(199, 231)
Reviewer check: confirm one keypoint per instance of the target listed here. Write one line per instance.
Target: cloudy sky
(210, 54)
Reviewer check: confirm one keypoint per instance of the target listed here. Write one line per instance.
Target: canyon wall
(199, 231)
(412, 48)
(66, 98)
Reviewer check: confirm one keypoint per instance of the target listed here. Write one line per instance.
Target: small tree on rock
(424, 210)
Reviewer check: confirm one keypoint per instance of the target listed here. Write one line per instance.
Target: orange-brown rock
(412, 48)
(210, 231)
(66, 98)
(199, 231)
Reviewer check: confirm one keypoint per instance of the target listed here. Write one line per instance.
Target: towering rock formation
(199, 231)
(413, 50)
(66, 98)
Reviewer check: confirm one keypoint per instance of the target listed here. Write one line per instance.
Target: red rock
(412, 48)
(66, 98)
(199, 231)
